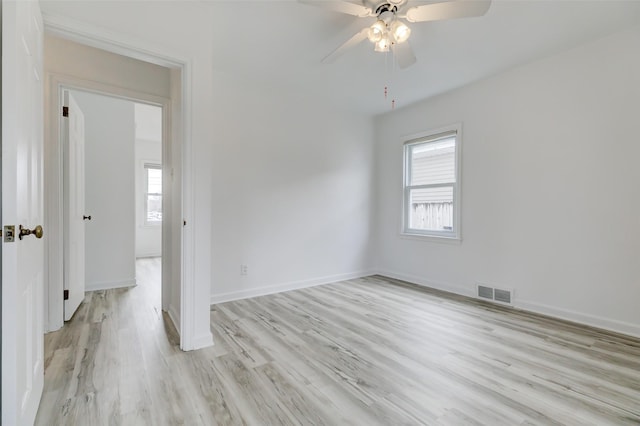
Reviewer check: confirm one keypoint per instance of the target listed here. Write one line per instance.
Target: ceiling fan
(389, 32)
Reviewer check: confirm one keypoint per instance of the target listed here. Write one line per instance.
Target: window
(431, 184)
(153, 194)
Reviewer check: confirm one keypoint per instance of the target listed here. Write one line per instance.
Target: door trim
(56, 85)
(190, 337)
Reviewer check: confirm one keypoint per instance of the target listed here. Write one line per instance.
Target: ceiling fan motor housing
(387, 15)
(381, 7)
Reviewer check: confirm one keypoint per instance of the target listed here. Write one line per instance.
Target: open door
(22, 212)
(74, 213)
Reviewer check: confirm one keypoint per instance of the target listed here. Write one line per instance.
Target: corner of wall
(175, 317)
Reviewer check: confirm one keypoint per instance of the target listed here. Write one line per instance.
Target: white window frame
(147, 166)
(428, 137)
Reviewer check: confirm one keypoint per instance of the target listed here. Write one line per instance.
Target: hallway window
(153, 194)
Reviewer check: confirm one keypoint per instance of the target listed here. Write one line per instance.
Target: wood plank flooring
(370, 351)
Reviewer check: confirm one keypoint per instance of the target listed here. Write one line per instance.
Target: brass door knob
(37, 231)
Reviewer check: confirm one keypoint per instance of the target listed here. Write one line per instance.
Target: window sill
(441, 239)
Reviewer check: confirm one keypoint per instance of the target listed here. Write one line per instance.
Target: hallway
(114, 356)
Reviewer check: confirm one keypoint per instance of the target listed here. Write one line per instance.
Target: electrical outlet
(244, 269)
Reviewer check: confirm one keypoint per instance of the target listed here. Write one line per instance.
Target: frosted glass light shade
(376, 31)
(383, 44)
(400, 32)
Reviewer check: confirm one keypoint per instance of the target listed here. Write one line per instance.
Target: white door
(75, 215)
(22, 204)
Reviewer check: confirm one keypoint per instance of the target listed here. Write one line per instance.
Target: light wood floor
(370, 351)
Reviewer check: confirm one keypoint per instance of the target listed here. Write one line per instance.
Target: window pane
(154, 180)
(431, 209)
(154, 208)
(433, 162)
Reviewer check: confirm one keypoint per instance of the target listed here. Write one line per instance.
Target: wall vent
(485, 292)
(503, 296)
(495, 294)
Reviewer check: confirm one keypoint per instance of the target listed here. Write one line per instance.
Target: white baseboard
(560, 313)
(199, 342)
(586, 319)
(413, 279)
(279, 288)
(174, 317)
(203, 341)
(108, 285)
(147, 255)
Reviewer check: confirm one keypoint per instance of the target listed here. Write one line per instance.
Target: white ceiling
(281, 43)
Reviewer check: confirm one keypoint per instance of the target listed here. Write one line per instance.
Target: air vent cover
(495, 294)
(503, 296)
(485, 292)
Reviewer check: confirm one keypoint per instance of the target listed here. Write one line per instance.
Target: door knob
(37, 231)
(86, 217)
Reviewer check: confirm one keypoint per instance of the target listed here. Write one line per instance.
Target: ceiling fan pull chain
(389, 66)
(393, 71)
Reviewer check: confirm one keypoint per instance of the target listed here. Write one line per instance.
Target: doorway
(148, 178)
(171, 200)
(134, 71)
(148, 200)
(113, 194)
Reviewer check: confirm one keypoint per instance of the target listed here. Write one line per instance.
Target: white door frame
(56, 85)
(149, 52)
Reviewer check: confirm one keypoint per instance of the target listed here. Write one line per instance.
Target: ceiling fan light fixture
(400, 32)
(376, 31)
(383, 44)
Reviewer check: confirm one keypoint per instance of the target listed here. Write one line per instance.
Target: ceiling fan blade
(448, 10)
(404, 54)
(340, 6)
(353, 41)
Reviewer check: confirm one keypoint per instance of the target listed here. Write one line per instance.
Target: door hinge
(65, 111)
(65, 294)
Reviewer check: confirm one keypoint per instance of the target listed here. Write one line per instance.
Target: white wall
(148, 237)
(292, 191)
(549, 186)
(531, 135)
(306, 167)
(61, 57)
(109, 193)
